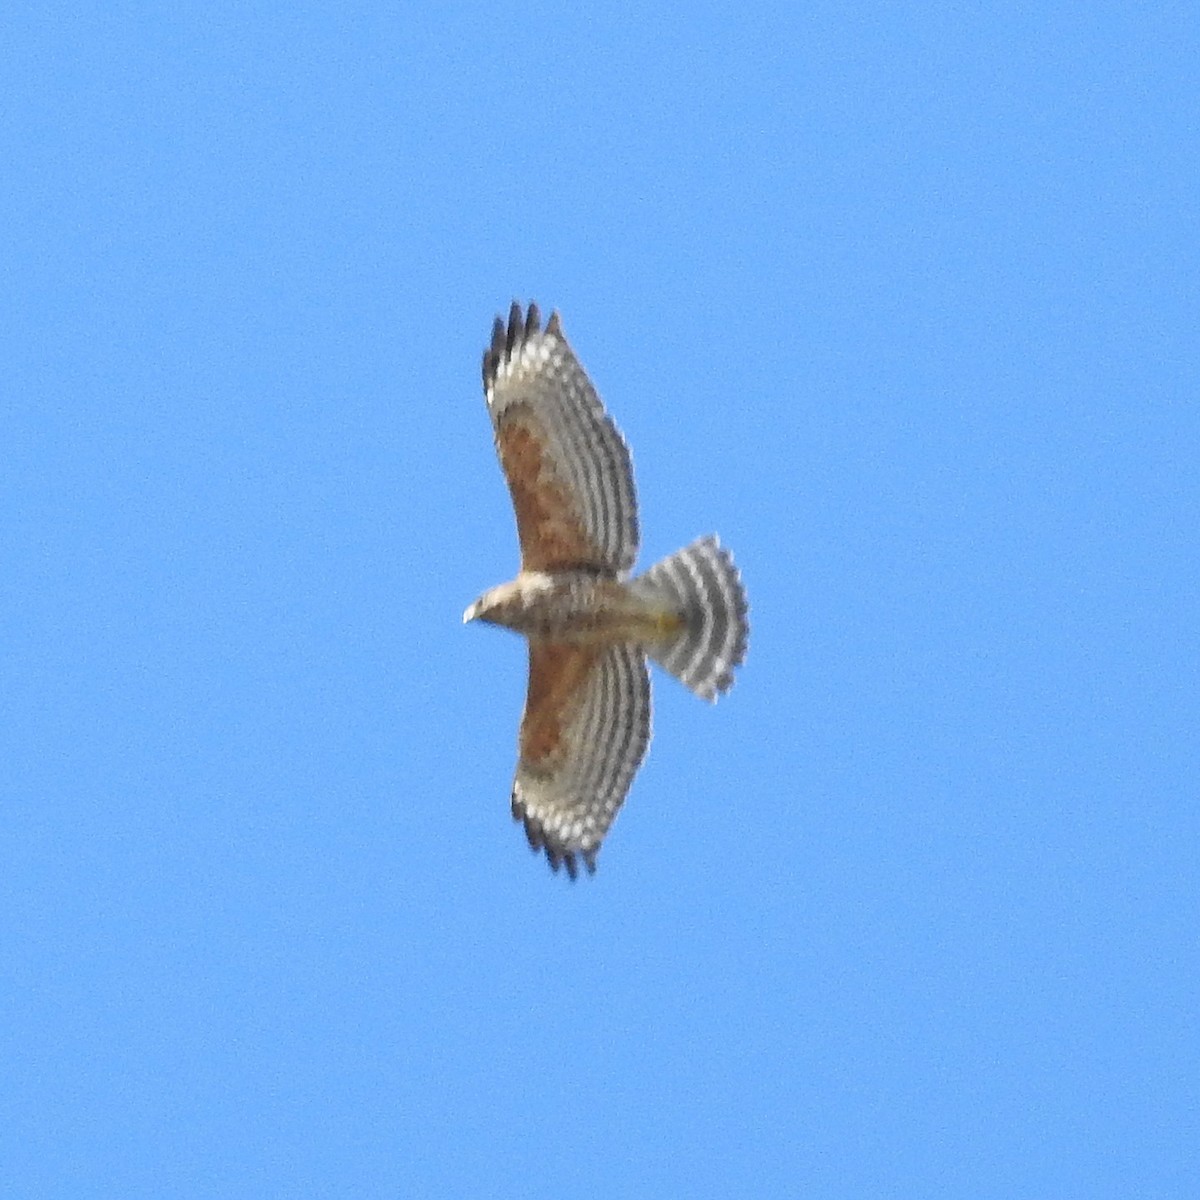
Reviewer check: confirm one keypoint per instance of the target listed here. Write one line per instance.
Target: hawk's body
(580, 607)
(587, 712)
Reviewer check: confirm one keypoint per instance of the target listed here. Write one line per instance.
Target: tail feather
(702, 584)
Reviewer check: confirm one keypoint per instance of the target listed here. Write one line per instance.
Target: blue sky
(900, 301)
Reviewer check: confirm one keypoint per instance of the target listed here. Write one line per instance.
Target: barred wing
(567, 466)
(583, 736)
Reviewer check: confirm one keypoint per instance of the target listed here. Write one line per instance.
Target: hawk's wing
(584, 734)
(567, 465)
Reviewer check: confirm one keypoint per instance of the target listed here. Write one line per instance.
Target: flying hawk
(590, 625)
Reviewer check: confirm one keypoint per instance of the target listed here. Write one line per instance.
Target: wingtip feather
(508, 336)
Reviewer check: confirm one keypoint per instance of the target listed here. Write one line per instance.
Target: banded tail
(702, 583)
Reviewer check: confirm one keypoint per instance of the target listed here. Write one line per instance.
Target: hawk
(590, 625)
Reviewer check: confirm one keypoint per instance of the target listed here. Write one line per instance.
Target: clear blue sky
(902, 302)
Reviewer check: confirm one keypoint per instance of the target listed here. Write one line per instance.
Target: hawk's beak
(469, 615)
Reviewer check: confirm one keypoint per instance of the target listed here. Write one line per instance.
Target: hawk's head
(516, 604)
(494, 605)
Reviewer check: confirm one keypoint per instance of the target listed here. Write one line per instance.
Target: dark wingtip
(522, 324)
(533, 833)
(556, 855)
(514, 327)
(493, 356)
